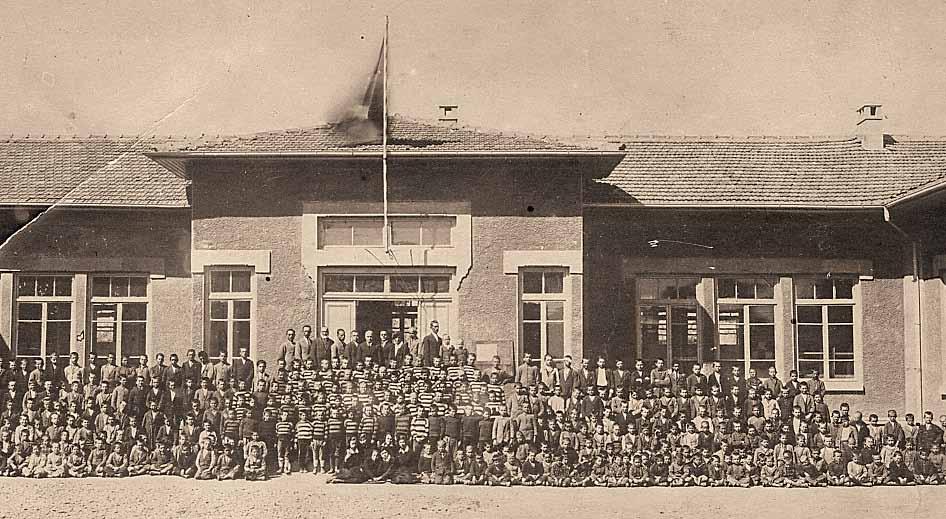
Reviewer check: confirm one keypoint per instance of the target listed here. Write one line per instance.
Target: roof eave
(740, 206)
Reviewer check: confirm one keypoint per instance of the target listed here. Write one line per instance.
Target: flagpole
(384, 137)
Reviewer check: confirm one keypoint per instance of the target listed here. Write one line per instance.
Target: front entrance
(394, 316)
(383, 300)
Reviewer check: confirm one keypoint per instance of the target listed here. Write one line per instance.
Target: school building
(798, 253)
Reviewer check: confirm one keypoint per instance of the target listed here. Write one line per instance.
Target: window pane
(240, 281)
(666, 289)
(841, 369)
(731, 335)
(220, 281)
(241, 309)
(44, 286)
(241, 336)
(810, 346)
(808, 314)
(404, 284)
(764, 289)
(683, 333)
(103, 334)
(437, 231)
(368, 231)
(653, 332)
(100, 287)
(28, 338)
(762, 342)
(63, 286)
(841, 314)
(761, 314)
(134, 312)
(218, 309)
(435, 285)
(59, 311)
(335, 233)
(726, 288)
(29, 311)
(218, 336)
(339, 283)
(555, 311)
(58, 337)
(824, 289)
(686, 288)
(532, 339)
(745, 288)
(804, 289)
(555, 339)
(554, 282)
(647, 289)
(531, 282)
(139, 287)
(119, 287)
(405, 232)
(133, 339)
(369, 283)
(844, 288)
(26, 286)
(531, 311)
(840, 341)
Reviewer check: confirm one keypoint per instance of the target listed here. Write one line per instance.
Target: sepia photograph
(391, 259)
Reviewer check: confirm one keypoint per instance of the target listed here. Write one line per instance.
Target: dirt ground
(305, 496)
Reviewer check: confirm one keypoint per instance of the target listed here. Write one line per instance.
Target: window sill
(843, 386)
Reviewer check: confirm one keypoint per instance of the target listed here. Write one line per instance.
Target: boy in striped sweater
(305, 432)
(284, 438)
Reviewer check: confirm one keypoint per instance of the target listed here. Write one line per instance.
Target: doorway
(394, 316)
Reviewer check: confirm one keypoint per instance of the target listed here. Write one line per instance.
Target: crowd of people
(405, 410)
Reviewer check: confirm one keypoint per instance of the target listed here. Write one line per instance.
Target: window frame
(44, 318)
(745, 304)
(211, 296)
(667, 303)
(855, 382)
(120, 302)
(393, 221)
(543, 299)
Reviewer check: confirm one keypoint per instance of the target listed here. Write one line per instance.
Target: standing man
(413, 342)
(110, 371)
(716, 378)
(431, 344)
(351, 349)
(242, 367)
(73, 372)
(191, 370)
(304, 347)
(568, 378)
(159, 371)
(221, 371)
(367, 348)
(338, 346)
(321, 346)
(385, 349)
(527, 375)
(89, 368)
(288, 347)
(401, 349)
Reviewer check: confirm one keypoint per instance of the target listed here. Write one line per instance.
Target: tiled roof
(96, 171)
(788, 172)
(403, 135)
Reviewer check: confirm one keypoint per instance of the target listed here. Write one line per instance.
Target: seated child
(77, 465)
(139, 457)
(116, 465)
(898, 473)
(227, 467)
(56, 462)
(161, 462)
(254, 468)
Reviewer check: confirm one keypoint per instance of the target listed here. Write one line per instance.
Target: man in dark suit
(431, 344)
(304, 349)
(152, 420)
(367, 348)
(385, 349)
(242, 368)
(716, 378)
(351, 349)
(322, 346)
(568, 378)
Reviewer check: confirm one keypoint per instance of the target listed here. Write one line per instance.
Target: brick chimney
(449, 115)
(870, 126)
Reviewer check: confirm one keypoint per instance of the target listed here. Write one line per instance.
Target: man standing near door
(338, 347)
(385, 348)
(322, 346)
(367, 348)
(431, 344)
(303, 349)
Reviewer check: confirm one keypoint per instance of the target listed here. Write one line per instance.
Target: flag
(373, 101)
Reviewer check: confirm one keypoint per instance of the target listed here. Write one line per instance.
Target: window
(387, 283)
(43, 316)
(230, 312)
(746, 325)
(542, 313)
(669, 319)
(119, 315)
(825, 327)
(368, 231)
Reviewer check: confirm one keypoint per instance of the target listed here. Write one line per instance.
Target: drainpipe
(919, 300)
